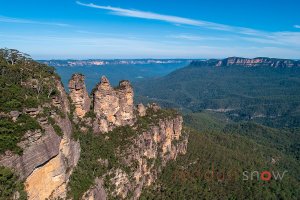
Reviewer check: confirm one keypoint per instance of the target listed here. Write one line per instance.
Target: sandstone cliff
(47, 159)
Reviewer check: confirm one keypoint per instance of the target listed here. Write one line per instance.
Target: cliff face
(79, 95)
(113, 107)
(247, 62)
(39, 149)
(48, 159)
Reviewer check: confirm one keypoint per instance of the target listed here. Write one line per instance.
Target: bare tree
(12, 56)
(51, 88)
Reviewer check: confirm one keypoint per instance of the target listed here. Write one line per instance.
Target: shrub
(9, 185)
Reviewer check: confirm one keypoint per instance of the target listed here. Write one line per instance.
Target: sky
(106, 29)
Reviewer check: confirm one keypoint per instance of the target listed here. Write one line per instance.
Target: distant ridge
(102, 62)
(248, 62)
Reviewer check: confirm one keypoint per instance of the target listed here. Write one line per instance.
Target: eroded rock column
(79, 96)
(126, 94)
(113, 106)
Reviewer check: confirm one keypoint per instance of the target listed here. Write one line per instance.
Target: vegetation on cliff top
(10, 186)
(12, 132)
(24, 83)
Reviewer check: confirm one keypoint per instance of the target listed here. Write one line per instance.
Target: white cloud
(197, 37)
(258, 36)
(26, 21)
(155, 16)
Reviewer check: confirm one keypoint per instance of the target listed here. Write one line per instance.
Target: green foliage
(12, 132)
(285, 140)
(266, 95)
(253, 125)
(23, 82)
(93, 148)
(56, 128)
(153, 117)
(90, 114)
(9, 185)
(31, 102)
(213, 169)
(206, 121)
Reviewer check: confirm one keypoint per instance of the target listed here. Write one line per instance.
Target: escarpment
(248, 62)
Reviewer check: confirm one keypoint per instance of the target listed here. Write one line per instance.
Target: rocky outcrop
(125, 93)
(79, 96)
(113, 106)
(248, 62)
(63, 101)
(141, 110)
(97, 192)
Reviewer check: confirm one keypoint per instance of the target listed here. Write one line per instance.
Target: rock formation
(113, 106)
(79, 96)
(141, 110)
(49, 159)
(159, 138)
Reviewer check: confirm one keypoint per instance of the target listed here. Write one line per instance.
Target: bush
(9, 185)
(58, 130)
(11, 132)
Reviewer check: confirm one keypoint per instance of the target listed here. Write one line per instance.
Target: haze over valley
(149, 100)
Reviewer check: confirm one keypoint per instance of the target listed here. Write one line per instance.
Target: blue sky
(151, 29)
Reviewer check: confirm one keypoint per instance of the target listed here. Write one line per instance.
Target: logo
(264, 175)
